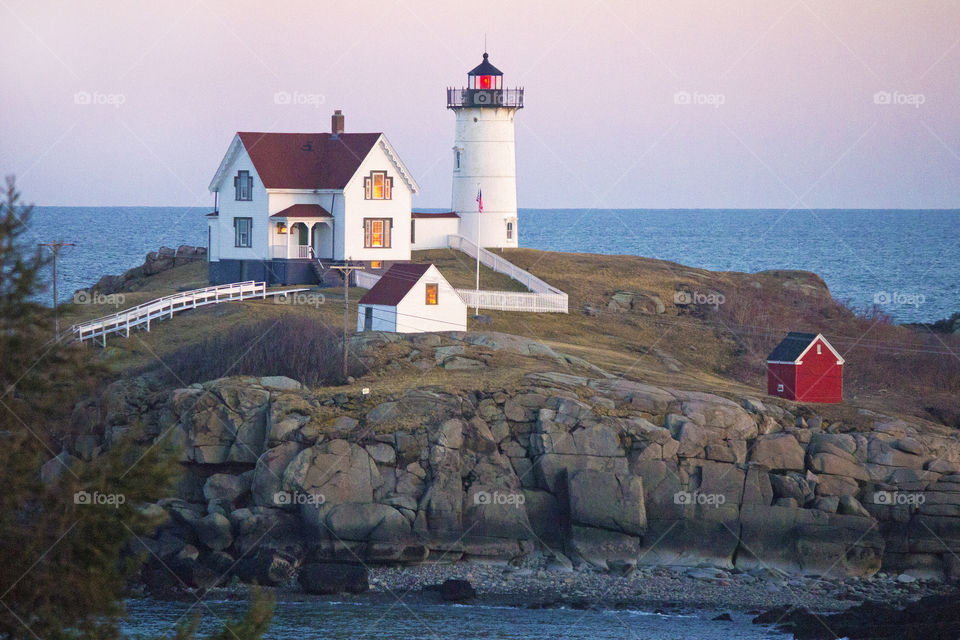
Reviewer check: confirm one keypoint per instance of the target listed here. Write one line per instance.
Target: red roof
(303, 211)
(395, 284)
(307, 160)
(427, 214)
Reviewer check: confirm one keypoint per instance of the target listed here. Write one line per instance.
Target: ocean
(905, 261)
(322, 620)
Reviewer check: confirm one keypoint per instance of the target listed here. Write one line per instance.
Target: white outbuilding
(412, 298)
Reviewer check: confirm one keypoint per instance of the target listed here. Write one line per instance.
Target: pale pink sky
(797, 124)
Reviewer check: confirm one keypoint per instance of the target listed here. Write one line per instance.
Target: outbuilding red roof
(307, 160)
(428, 214)
(395, 284)
(303, 211)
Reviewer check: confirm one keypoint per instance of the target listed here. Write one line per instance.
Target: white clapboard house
(288, 205)
(412, 298)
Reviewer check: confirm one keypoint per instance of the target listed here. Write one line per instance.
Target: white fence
(515, 301)
(155, 310)
(543, 299)
(498, 264)
(364, 279)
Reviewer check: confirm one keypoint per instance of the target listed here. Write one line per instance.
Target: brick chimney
(336, 123)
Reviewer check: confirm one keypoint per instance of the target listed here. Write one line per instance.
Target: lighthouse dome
(485, 68)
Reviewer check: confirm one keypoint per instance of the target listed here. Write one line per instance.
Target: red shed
(806, 368)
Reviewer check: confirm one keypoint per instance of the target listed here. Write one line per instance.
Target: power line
(56, 246)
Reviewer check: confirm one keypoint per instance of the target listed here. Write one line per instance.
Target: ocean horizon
(902, 260)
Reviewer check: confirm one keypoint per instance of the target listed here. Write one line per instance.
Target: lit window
(375, 264)
(377, 186)
(243, 185)
(376, 233)
(432, 293)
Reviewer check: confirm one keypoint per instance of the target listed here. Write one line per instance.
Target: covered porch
(302, 231)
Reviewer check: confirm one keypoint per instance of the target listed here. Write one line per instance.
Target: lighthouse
(484, 157)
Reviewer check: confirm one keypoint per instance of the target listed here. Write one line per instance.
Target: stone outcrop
(155, 262)
(606, 472)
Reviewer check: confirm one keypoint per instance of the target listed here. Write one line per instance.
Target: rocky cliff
(571, 464)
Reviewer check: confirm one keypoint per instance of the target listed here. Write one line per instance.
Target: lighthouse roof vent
(485, 68)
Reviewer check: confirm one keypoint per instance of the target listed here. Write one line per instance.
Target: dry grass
(720, 349)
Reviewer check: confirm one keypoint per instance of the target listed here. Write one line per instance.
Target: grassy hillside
(627, 315)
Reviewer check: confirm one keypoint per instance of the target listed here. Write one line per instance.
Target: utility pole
(55, 247)
(345, 269)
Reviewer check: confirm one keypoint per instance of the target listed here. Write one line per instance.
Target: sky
(673, 104)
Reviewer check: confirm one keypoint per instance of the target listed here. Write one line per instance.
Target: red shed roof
(303, 211)
(306, 160)
(395, 284)
(792, 348)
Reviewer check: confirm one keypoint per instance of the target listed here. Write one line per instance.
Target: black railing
(460, 98)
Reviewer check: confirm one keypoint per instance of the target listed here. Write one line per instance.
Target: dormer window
(243, 184)
(377, 186)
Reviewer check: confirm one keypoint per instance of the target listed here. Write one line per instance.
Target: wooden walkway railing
(155, 310)
(500, 265)
(364, 279)
(515, 301)
(542, 298)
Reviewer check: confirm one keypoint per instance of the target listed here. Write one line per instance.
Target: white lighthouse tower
(484, 156)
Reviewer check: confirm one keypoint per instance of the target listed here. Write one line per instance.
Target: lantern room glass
(485, 82)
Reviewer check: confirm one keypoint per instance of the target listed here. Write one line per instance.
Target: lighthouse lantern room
(484, 157)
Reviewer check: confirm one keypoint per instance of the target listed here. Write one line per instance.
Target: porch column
(289, 233)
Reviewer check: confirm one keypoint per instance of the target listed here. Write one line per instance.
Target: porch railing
(282, 251)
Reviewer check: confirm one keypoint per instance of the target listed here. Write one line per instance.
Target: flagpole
(476, 300)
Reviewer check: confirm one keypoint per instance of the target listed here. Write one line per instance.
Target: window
(368, 318)
(377, 186)
(456, 158)
(413, 232)
(509, 231)
(243, 232)
(818, 349)
(432, 293)
(243, 184)
(779, 388)
(376, 264)
(376, 233)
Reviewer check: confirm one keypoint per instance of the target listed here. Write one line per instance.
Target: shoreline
(651, 589)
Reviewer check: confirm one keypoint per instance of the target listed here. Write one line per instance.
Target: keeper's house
(806, 368)
(291, 204)
(412, 298)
